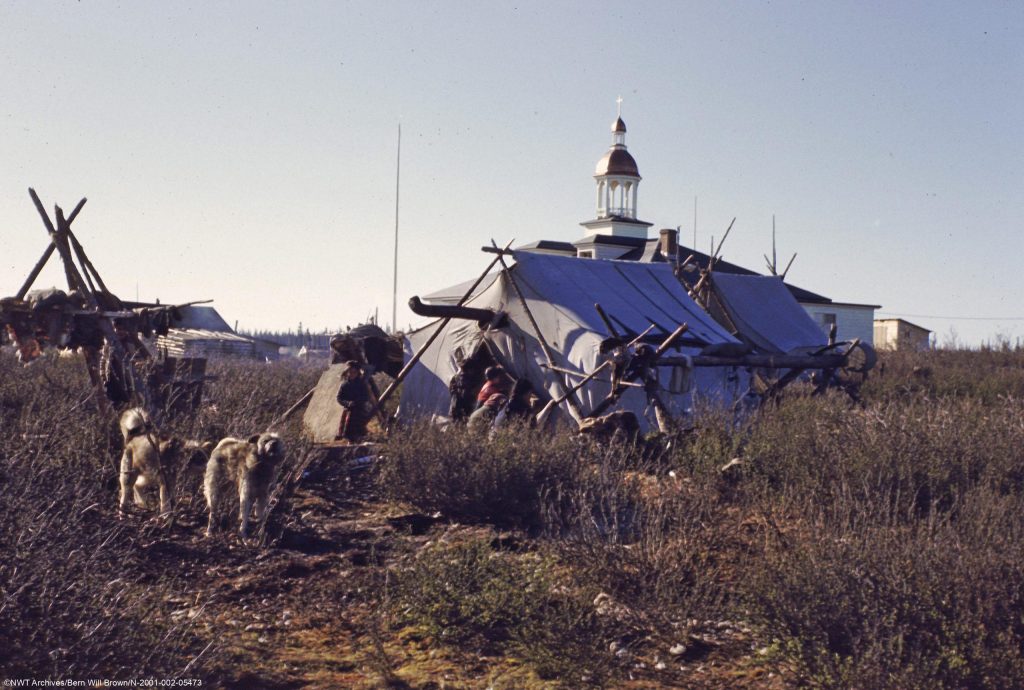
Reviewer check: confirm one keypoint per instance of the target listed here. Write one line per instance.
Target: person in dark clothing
(520, 406)
(460, 389)
(354, 398)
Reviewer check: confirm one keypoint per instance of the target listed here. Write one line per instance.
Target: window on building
(585, 254)
(827, 321)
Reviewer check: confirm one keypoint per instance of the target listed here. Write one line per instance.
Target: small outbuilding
(899, 334)
(202, 332)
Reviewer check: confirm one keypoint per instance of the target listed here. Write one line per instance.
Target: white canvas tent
(561, 293)
(763, 312)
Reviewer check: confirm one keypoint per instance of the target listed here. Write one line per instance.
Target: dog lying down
(251, 466)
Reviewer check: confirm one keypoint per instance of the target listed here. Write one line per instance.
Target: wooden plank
(761, 361)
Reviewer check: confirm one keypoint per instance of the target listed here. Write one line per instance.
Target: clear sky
(245, 151)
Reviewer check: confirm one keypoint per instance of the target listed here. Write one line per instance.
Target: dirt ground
(307, 610)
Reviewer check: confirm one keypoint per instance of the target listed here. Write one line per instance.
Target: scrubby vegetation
(851, 546)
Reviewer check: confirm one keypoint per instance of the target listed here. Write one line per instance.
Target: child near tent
(497, 383)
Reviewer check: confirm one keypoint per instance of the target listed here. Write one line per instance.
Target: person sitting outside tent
(497, 382)
(520, 406)
(354, 397)
(483, 417)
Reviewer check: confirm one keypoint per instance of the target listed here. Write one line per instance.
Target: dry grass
(872, 545)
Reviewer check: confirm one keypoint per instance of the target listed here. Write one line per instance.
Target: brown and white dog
(151, 458)
(251, 466)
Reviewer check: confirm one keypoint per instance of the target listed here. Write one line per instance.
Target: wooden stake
(607, 322)
(291, 410)
(788, 265)
(27, 285)
(85, 260)
(542, 416)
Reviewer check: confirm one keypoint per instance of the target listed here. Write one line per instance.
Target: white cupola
(617, 179)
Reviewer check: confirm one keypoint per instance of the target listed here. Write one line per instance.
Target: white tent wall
(561, 293)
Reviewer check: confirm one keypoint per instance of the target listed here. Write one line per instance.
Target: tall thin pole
(694, 222)
(394, 289)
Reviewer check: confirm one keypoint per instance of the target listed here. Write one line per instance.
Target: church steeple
(617, 179)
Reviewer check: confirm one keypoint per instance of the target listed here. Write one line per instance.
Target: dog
(151, 458)
(251, 465)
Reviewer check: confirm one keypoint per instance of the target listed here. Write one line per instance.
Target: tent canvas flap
(765, 312)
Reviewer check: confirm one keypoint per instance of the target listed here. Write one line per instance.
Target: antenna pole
(775, 264)
(394, 288)
(694, 222)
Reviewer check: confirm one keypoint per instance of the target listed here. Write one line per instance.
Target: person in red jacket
(497, 383)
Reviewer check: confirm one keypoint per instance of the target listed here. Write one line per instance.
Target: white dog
(151, 458)
(251, 466)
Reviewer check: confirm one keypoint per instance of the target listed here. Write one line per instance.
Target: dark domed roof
(617, 162)
(618, 125)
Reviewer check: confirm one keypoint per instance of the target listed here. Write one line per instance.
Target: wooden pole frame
(567, 392)
(433, 336)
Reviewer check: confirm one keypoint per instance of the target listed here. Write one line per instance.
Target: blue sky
(246, 151)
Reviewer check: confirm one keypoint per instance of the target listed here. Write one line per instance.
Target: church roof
(617, 162)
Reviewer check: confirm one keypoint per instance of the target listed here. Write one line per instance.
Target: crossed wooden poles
(85, 280)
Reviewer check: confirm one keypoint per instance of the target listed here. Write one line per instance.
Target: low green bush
(939, 604)
(506, 480)
(469, 596)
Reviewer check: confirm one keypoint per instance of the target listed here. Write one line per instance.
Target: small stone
(677, 650)
(660, 666)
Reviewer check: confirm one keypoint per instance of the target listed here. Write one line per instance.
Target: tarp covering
(766, 314)
(561, 293)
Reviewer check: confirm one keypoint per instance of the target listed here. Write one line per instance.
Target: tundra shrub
(469, 596)
(921, 454)
(468, 476)
(936, 605)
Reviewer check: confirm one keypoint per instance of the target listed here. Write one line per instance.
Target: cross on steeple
(619, 102)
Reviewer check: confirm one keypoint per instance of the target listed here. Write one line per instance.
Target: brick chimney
(670, 244)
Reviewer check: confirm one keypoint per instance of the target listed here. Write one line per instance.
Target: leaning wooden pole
(567, 393)
(433, 336)
(87, 264)
(27, 285)
(291, 410)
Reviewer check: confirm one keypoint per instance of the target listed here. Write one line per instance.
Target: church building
(616, 232)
